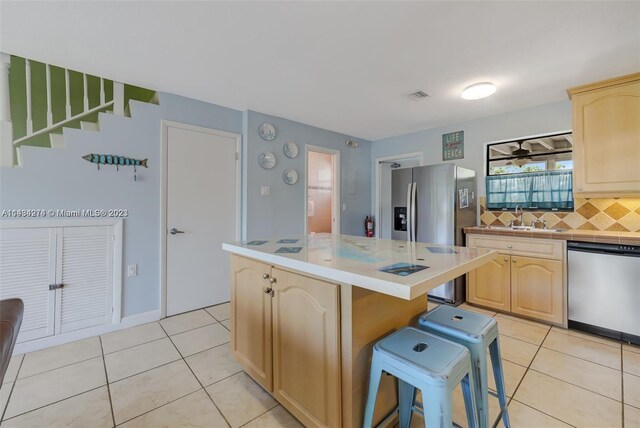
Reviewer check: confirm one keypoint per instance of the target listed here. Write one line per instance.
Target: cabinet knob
(579, 188)
(269, 291)
(509, 246)
(513, 260)
(265, 276)
(506, 259)
(272, 280)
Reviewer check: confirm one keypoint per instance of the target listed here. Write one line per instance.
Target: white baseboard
(72, 336)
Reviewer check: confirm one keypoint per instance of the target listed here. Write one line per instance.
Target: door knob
(174, 231)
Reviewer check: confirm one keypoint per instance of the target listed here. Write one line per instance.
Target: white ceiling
(345, 66)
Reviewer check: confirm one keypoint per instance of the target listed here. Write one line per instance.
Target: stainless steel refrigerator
(434, 204)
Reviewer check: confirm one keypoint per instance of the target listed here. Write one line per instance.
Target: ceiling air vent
(418, 95)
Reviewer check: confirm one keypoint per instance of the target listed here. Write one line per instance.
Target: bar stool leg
(374, 384)
(468, 393)
(498, 373)
(437, 404)
(481, 383)
(406, 397)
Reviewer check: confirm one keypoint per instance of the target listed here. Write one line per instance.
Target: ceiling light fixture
(478, 91)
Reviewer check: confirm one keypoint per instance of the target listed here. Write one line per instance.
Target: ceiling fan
(522, 158)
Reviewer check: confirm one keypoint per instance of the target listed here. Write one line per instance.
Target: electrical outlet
(132, 270)
(344, 207)
(265, 191)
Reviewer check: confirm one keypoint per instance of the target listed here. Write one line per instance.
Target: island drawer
(533, 247)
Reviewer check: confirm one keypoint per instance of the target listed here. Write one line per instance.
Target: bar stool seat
(477, 333)
(425, 361)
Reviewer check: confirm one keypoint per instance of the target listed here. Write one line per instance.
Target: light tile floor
(178, 372)
(173, 373)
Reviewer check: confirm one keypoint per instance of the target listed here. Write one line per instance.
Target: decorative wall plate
(267, 160)
(290, 176)
(290, 150)
(267, 131)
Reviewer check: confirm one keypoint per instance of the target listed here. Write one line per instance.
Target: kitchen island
(306, 311)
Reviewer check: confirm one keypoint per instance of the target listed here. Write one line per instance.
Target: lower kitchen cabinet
(286, 335)
(251, 318)
(306, 348)
(490, 285)
(536, 288)
(526, 278)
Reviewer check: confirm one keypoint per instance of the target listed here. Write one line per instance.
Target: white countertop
(356, 260)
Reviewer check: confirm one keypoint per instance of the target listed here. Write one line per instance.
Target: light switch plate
(265, 191)
(132, 270)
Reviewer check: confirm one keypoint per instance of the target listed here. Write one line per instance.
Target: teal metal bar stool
(430, 363)
(477, 333)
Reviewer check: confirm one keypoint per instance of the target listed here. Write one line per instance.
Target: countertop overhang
(356, 260)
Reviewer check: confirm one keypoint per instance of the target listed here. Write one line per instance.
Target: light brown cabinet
(286, 335)
(251, 318)
(306, 348)
(490, 285)
(606, 137)
(515, 282)
(536, 288)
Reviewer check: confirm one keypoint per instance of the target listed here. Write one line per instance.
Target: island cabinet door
(536, 288)
(306, 348)
(490, 284)
(251, 318)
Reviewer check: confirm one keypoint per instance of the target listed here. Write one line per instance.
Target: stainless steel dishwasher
(604, 289)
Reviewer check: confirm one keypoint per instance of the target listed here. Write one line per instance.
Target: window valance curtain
(542, 190)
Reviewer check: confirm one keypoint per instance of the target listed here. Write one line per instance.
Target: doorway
(199, 168)
(322, 190)
(383, 168)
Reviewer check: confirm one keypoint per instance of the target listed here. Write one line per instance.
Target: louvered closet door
(27, 268)
(85, 267)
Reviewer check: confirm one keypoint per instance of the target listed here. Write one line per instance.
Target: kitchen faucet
(521, 214)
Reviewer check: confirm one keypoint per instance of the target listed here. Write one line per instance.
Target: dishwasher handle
(600, 248)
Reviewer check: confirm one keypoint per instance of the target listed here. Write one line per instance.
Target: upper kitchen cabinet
(606, 133)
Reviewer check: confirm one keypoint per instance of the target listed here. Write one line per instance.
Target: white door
(27, 269)
(85, 268)
(202, 213)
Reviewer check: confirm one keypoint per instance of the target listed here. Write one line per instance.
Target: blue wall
(60, 179)
(282, 213)
(542, 119)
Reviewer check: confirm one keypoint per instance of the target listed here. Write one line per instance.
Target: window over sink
(533, 173)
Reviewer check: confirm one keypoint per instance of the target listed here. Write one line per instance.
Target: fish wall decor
(116, 160)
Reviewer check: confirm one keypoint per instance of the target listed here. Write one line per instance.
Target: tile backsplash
(612, 214)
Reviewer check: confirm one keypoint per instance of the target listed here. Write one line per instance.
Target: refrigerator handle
(408, 219)
(413, 211)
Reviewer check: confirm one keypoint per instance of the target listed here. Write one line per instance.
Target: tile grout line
(106, 377)
(61, 367)
(198, 380)
(156, 408)
(537, 410)
(133, 346)
(580, 358)
(265, 412)
(527, 370)
(13, 385)
(172, 361)
(577, 386)
(588, 338)
(52, 403)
